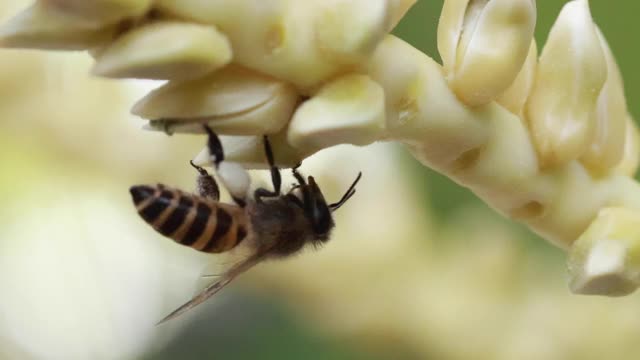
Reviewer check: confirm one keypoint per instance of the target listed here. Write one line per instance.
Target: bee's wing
(224, 279)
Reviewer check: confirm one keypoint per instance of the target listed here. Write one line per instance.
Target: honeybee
(271, 224)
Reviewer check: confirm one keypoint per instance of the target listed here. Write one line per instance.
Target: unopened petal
(631, 158)
(397, 10)
(449, 31)
(42, 26)
(515, 98)
(571, 72)
(605, 260)
(607, 149)
(102, 11)
(235, 101)
(295, 41)
(494, 43)
(340, 34)
(165, 51)
(483, 45)
(348, 110)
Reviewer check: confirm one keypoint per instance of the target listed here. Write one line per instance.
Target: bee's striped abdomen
(191, 220)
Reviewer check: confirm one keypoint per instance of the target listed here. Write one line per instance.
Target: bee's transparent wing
(220, 281)
(215, 270)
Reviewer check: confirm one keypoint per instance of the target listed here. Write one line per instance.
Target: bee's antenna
(347, 195)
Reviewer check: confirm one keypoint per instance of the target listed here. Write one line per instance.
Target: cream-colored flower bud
(605, 260)
(631, 157)
(249, 151)
(483, 45)
(397, 10)
(348, 110)
(233, 101)
(164, 51)
(42, 26)
(102, 11)
(353, 39)
(571, 72)
(303, 42)
(515, 98)
(607, 148)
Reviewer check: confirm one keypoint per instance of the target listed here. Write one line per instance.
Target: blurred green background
(439, 277)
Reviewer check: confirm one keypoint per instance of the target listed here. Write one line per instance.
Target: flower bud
(42, 26)
(351, 40)
(102, 11)
(397, 10)
(515, 97)
(233, 101)
(164, 51)
(631, 157)
(348, 110)
(303, 42)
(483, 45)
(571, 72)
(605, 260)
(607, 149)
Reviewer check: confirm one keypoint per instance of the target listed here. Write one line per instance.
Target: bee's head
(319, 211)
(315, 206)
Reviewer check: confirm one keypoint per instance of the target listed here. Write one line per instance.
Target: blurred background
(418, 267)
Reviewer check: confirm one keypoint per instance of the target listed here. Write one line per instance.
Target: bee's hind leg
(206, 185)
(233, 176)
(276, 179)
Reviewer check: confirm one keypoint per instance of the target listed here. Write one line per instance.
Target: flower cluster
(545, 140)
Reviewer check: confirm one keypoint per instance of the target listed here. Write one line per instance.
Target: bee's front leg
(276, 179)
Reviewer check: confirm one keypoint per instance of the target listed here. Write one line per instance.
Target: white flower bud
(607, 149)
(102, 11)
(515, 97)
(397, 10)
(303, 42)
(605, 260)
(233, 101)
(234, 178)
(483, 45)
(347, 110)
(571, 72)
(42, 26)
(164, 51)
(354, 39)
(631, 157)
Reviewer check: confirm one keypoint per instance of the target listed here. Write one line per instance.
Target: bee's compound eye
(235, 178)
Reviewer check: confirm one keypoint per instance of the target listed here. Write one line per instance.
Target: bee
(272, 224)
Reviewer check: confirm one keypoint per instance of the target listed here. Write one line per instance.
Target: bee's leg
(276, 179)
(275, 172)
(215, 146)
(233, 176)
(307, 196)
(298, 176)
(206, 185)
